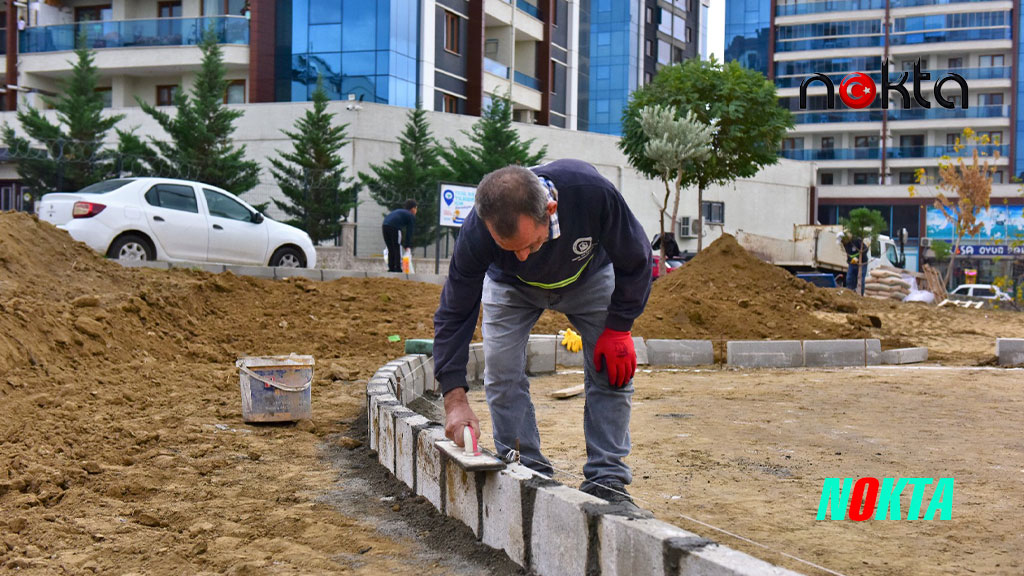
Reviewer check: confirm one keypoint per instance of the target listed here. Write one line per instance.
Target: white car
(175, 221)
(987, 291)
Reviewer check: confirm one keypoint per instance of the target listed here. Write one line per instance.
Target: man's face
(529, 237)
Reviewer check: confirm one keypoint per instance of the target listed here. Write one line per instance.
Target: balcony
(160, 32)
(994, 73)
(528, 8)
(947, 114)
(829, 43)
(940, 151)
(496, 68)
(832, 154)
(798, 8)
(527, 80)
(824, 116)
(906, 38)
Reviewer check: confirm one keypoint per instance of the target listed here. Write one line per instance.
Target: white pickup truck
(816, 248)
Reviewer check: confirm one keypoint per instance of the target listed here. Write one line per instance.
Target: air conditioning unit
(685, 228)
(926, 242)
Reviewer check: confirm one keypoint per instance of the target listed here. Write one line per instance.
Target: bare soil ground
(747, 452)
(122, 447)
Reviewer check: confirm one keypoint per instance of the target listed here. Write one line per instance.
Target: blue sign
(997, 223)
(994, 250)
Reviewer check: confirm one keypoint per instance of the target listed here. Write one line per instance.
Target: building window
(793, 143)
(689, 34)
(235, 93)
(451, 32)
(828, 142)
(648, 47)
(991, 60)
(554, 15)
(713, 212)
(994, 138)
(165, 94)
(990, 99)
(955, 63)
(222, 7)
(647, 78)
(650, 15)
(907, 178)
(94, 13)
(862, 178)
(677, 54)
(865, 142)
(827, 178)
(551, 79)
(168, 9)
(997, 177)
(451, 103)
(107, 95)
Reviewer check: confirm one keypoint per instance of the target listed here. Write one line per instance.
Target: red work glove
(614, 351)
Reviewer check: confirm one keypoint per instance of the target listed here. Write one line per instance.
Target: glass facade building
(747, 26)
(366, 49)
(614, 62)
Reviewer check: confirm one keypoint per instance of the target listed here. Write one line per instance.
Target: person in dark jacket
(856, 251)
(404, 220)
(561, 237)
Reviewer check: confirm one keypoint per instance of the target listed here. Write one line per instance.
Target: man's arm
(626, 244)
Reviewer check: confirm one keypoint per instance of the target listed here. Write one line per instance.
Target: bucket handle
(245, 370)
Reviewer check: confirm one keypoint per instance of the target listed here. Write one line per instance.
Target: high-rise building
(868, 156)
(565, 63)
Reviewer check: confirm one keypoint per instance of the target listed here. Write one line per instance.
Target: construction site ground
(122, 447)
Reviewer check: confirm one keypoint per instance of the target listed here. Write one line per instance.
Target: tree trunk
(675, 205)
(662, 268)
(700, 217)
(952, 261)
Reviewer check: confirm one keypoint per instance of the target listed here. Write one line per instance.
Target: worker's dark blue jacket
(404, 221)
(596, 227)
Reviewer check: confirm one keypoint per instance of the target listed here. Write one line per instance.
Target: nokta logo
(858, 90)
(868, 497)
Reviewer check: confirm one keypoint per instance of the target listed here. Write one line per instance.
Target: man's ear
(552, 207)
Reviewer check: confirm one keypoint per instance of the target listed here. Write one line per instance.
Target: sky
(716, 29)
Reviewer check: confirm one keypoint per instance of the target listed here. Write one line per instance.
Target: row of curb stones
(540, 524)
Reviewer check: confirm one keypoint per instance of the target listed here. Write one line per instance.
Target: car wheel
(131, 248)
(288, 258)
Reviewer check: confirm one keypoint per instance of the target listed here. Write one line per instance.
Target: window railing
(133, 33)
(528, 8)
(822, 116)
(939, 151)
(829, 43)
(832, 153)
(992, 73)
(900, 38)
(1002, 111)
(495, 67)
(795, 8)
(527, 80)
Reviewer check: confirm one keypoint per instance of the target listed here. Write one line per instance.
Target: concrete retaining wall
(1010, 351)
(543, 526)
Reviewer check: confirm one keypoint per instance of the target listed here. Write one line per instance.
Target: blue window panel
(360, 32)
(299, 91)
(382, 89)
(382, 62)
(325, 38)
(325, 11)
(327, 65)
(358, 63)
(383, 25)
(300, 26)
(300, 71)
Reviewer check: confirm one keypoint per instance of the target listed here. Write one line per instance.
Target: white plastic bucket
(276, 388)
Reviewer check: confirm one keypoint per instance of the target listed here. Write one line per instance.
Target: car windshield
(104, 187)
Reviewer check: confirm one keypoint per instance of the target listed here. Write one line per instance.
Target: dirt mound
(725, 292)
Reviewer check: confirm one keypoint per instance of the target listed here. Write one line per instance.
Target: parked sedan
(175, 221)
(987, 291)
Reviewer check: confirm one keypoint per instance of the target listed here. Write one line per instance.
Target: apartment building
(868, 156)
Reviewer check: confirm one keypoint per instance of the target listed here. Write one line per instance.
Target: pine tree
(495, 144)
(200, 146)
(312, 177)
(72, 154)
(414, 174)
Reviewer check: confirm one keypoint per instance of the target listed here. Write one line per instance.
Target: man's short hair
(410, 204)
(508, 192)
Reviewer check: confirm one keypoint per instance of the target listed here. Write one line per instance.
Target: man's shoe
(615, 493)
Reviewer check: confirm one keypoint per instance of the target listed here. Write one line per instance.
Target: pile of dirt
(726, 293)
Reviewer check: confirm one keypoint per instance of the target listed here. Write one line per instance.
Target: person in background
(856, 251)
(404, 220)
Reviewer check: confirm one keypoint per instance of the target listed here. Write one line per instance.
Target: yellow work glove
(571, 340)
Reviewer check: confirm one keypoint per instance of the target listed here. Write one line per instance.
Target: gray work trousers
(510, 311)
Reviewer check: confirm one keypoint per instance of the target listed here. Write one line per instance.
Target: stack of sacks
(884, 283)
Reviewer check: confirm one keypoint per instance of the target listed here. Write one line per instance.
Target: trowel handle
(469, 440)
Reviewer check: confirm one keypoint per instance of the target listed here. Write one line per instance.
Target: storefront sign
(995, 250)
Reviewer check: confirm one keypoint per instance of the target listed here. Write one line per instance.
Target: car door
(983, 292)
(172, 211)
(234, 237)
